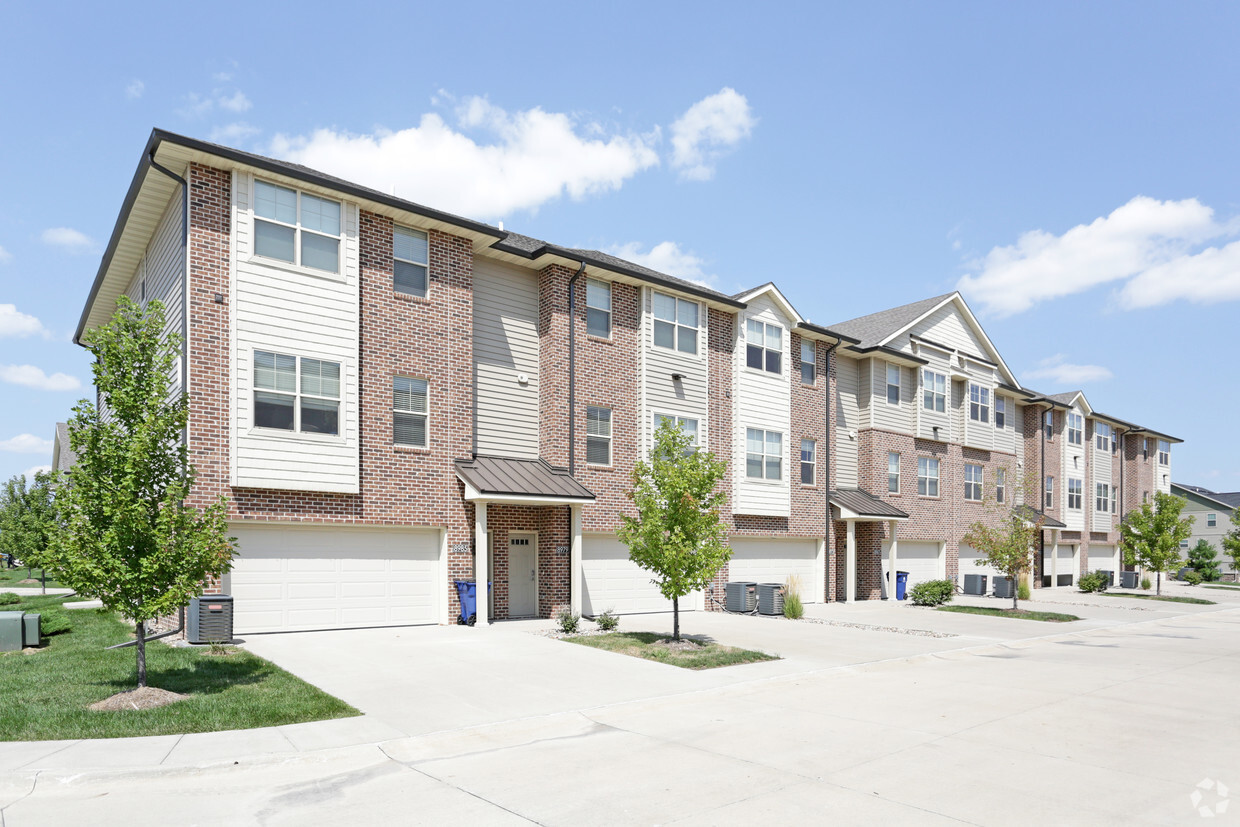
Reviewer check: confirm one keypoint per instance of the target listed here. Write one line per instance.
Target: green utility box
(30, 630)
(17, 630)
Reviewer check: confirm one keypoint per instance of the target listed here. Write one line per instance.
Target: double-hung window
(1164, 452)
(764, 346)
(764, 454)
(808, 456)
(598, 435)
(1049, 500)
(973, 482)
(1102, 436)
(1145, 447)
(893, 472)
(1102, 497)
(1076, 429)
(410, 411)
(809, 361)
(1075, 490)
(1049, 420)
(684, 423)
(410, 261)
(293, 393)
(598, 308)
(1211, 520)
(893, 384)
(979, 403)
(933, 391)
(296, 227)
(927, 477)
(1000, 485)
(1000, 412)
(675, 323)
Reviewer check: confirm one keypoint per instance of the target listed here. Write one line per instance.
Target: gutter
(572, 371)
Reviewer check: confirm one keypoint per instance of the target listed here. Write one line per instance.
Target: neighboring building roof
(1031, 514)
(1064, 398)
(865, 504)
(531, 478)
(872, 330)
(63, 457)
(1230, 501)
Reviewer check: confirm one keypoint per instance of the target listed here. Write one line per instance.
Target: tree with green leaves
(1009, 542)
(28, 522)
(677, 534)
(130, 539)
(1150, 536)
(1231, 542)
(1203, 559)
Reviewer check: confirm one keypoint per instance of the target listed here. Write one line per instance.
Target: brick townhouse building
(394, 398)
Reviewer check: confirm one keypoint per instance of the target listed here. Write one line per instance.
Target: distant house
(63, 457)
(1212, 512)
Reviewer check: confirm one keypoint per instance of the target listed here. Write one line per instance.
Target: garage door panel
(612, 581)
(920, 559)
(769, 560)
(968, 565)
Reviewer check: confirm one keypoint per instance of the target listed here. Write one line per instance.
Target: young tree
(1009, 543)
(1150, 535)
(130, 540)
(1203, 558)
(677, 535)
(1231, 542)
(28, 522)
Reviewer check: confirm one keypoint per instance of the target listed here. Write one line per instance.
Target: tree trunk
(675, 618)
(1158, 589)
(43, 578)
(1015, 589)
(140, 631)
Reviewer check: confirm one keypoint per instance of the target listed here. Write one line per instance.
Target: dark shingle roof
(520, 477)
(67, 458)
(1232, 498)
(1063, 398)
(864, 503)
(1031, 514)
(876, 327)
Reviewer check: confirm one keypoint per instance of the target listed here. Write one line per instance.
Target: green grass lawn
(45, 695)
(1165, 598)
(645, 645)
(11, 577)
(1219, 586)
(1019, 614)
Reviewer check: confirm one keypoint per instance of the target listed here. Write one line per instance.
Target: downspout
(1042, 492)
(572, 371)
(826, 464)
(185, 274)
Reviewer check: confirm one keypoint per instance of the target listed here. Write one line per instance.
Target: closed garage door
(292, 579)
(919, 559)
(772, 561)
(613, 581)
(1102, 558)
(968, 565)
(1067, 566)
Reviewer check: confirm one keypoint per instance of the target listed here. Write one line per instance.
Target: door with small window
(522, 574)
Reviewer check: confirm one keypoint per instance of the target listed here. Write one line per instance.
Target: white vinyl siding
(846, 418)
(686, 396)
(506, 359)
(762, 401)
(887, 382)
(1101, 461)
(1073, 474)
(160, 276)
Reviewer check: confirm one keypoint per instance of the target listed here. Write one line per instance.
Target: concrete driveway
(1117, 723)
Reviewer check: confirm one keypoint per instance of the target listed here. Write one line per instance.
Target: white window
(1102, 436)
(293, 393)
(1211, 520)
(808, 448)
(686, 425)
(675, 323)
(598, 308)
(934, 390)
(893, 384)
(1000, 485)
(410, 410)
(1076, 429)
(927, 477)
(598, 435)
(1049, 421)
(1145, 448)
(973, 482)
(764, 346)
(410, 261)
(893, 472)
(1164, 452)
(1000, 412)
(1075, 491)
(1050, 493)
(296, 227)
(764, 454)
(979, 403)
(1102, 497)
(809, 360)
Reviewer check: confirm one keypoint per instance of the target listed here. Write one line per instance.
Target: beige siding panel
(687, 397)
(1073, 467)
(763, 400)
(847, 416)
(1005, 437)
(948, 327)
(928, 420)
(506, 349)
(885, 415)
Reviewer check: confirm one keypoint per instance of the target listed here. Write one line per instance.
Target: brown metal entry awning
(521, 481)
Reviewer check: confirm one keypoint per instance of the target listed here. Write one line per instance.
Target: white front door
(522, 574)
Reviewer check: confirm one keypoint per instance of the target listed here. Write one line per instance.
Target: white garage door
(1102, 558)
(771, 561)
(968, 565)
(1067, 566)
(919, 559)
(292, 579)
(612, 581)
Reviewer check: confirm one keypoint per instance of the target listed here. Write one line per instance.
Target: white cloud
(707, 130)
(233, 133)
(1143, 235)
(68, 239)
(199, 106)
(666, 257)
(527, 159)
(135, 89)
(19, 325)
(32, 377)
(30, 472)
(26, 444)
(236, 102)
(5, 256)
(1058, 370)
(1207, 277)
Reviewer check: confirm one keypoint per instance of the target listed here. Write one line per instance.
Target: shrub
(793, 608)
(1204, 560)
(1022, 591)
(1094, 581)
(1193, 578)
(8, 599)
(932, 592)
(1146, 584)
(53, 622)
(568, 621)
(608, 621)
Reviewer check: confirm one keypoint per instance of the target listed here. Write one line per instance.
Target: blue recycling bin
(901, 584)
(467, 591)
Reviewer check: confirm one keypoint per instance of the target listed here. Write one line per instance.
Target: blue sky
(1070, 167)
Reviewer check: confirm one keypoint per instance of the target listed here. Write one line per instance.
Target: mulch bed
(146, 697)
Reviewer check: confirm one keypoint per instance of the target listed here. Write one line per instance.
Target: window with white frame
(1000, 412)
(933, 390)
(808, 458)
(598, 435)
(893, 384)
(686, 424)
(979, 403)
(410, 411)
(410, 261)
(1076, 429)
(927, 476)
(1114, 440)
(1164, 452)
(1049, 424)
(764, 454)
(675, 323)
(809, 361)
(1076, 490)
(973, 482)
(1145, 447)
(598, 309)
(1102, 497)
(1049, 499)
(1211, 520)
(294, 393)
(1000, 485)
(1102, 436)
(296, 227)
(764, 346)
(893, 472)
